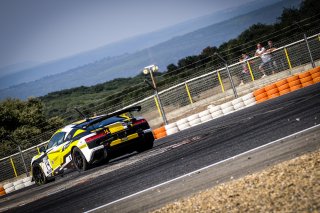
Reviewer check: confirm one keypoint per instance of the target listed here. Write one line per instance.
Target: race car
(91, 140)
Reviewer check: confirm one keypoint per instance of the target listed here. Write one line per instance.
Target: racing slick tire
(79, 161)
(146, 145)
(38, 175)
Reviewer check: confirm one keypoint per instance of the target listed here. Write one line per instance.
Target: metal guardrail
(192, 90)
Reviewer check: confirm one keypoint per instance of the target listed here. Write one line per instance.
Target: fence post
(231, 81)
(188, 92)
(24, 163)
(220, 81)
(13, 167)
(310, 54)
(250, 70)
(288, 58)
(158, 106)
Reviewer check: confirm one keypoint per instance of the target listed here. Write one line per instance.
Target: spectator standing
(265, 57)
(271, 50)
(245, 73)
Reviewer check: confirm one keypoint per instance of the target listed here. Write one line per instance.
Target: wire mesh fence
(202, 81)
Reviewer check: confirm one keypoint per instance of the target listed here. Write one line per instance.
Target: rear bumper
(104, 149)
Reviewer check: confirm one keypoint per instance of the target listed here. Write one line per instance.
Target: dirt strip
(291, 186)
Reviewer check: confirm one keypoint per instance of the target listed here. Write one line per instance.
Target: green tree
(23, 121)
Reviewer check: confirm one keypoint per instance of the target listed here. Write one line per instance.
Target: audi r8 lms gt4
(91, 140)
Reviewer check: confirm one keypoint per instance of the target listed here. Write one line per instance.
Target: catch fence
(212, 85)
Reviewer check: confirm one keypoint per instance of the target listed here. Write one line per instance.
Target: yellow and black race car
(91, 140)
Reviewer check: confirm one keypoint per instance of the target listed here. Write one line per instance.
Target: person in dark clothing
(245, 73)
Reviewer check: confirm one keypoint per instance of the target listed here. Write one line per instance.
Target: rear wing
(130, 109)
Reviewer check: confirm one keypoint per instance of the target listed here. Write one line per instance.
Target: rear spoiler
(130, 109)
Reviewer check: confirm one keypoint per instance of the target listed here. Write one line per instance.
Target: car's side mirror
(42, 149)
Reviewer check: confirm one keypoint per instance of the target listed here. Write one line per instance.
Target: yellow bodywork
(58, 155)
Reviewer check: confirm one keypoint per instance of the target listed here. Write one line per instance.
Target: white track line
(204, 168)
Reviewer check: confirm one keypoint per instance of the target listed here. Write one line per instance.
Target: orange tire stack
(2, 191)
(283, 87)
(287, 85)
(315, 74)
(272, 91)
(260, 95)
(159, 133)
(305, 79)
(294, 83)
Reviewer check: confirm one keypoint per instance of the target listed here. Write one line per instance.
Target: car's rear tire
(146, 144)
(79, 160)
(38, 175)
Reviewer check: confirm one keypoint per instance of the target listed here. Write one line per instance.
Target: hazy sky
(43, 30)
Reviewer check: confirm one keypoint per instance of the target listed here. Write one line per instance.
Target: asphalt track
(174, 156)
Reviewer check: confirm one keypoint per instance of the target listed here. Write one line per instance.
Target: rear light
(95, 137)
(137, 122)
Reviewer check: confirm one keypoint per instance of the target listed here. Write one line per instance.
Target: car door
(54, 148)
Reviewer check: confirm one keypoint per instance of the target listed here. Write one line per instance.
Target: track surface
(178, 154)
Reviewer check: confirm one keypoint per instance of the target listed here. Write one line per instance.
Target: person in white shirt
(265, 57)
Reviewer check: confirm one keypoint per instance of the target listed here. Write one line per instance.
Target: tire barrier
(249, 99)
(183, 124)
(159, 133)
(205, 116)
(16, 185)
(268, 92)
(2, 191)
(171, 128)
(287, 85)
(194, 120)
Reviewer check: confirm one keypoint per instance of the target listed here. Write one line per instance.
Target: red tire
(294, 83)
(285, 91)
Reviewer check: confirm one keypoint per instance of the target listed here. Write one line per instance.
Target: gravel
(290, 186)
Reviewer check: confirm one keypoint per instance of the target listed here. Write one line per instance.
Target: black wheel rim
(78, 160)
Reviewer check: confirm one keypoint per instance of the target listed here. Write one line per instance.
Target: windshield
(106, 122)
(56, 139)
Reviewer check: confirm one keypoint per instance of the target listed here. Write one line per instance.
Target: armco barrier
(208, 87)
